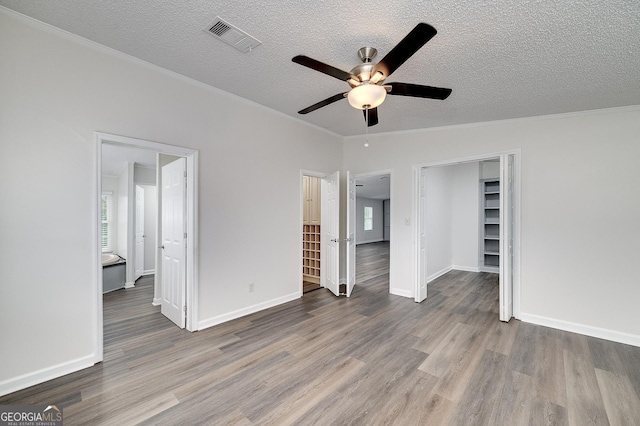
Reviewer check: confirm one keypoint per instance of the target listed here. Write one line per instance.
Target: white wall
(376, 234)
(57, 90)
(122, 221)
(489, 169)
(465, 215)
(580, 209)
(386, 208)
(144, 175)
(438, 220)
(452, 216)
(150, 224)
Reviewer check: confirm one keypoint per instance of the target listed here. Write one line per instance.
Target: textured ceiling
(503, 59)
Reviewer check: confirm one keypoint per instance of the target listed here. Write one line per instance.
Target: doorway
(311, 232)
(189, 178)
(372, 228)
(320, 244)
(497, 204)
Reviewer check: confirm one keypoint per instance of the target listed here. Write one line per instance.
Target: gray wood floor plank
(482, 394)
(545, 413)
(620, 401)
(514, 405)
(584, 401)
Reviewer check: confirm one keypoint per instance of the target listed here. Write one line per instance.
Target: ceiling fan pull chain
(366, 130)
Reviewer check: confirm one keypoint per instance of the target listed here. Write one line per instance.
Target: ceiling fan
(368, 90)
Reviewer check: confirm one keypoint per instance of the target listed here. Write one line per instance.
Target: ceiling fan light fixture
(366, 96)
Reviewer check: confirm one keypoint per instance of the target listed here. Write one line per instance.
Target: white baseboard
(156, 302)
(129, 285)
(248, 310)
(439, 274)
(466, 268)
(40, 376)
(587, 330)
(148, 272)
(369, 241)
(401, 292)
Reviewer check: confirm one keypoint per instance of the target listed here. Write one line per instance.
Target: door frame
(191, 156)
(136, 229)
(515, 253)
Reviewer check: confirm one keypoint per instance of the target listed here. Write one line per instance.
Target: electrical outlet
(252, 287)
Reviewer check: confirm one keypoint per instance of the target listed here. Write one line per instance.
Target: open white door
(421, 294)
(174, 249)
(351, 233)
(139, 231)
(506, 236)
(330, 237)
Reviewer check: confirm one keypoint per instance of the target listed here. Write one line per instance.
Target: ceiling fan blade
(373, 116)
(322, 67)
(409, 45)
(323, 103)
(419, 91)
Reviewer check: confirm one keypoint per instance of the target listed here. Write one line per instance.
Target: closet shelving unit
(490, 225)
(311, 253)
(311, 229)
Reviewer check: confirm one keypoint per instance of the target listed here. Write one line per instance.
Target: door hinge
(185, 310)
(185, 235)
(185, 174)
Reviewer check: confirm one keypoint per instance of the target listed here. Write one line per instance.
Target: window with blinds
(368, 218)
(107, 222)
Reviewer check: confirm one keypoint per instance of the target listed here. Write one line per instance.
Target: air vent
(232, 35)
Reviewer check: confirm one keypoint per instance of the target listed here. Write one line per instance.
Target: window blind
(107, 222)
(368, 218)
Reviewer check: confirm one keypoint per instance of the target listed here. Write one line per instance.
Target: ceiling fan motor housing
(367, 54)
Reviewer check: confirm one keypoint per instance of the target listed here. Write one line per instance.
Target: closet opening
(311, 232)
(467, 220)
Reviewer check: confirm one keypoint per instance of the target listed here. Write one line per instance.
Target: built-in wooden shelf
(490, 225)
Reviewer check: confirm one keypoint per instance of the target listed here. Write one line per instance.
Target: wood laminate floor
(373, 359)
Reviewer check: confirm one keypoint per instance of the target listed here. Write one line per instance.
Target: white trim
(377, 240)
(148, 272)
(439, 273)
(465, 268)
(248, 310)
(40, 376)
(587, 330)
(534, 118)
(156, 301)
(400, 292)
(130, 284)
